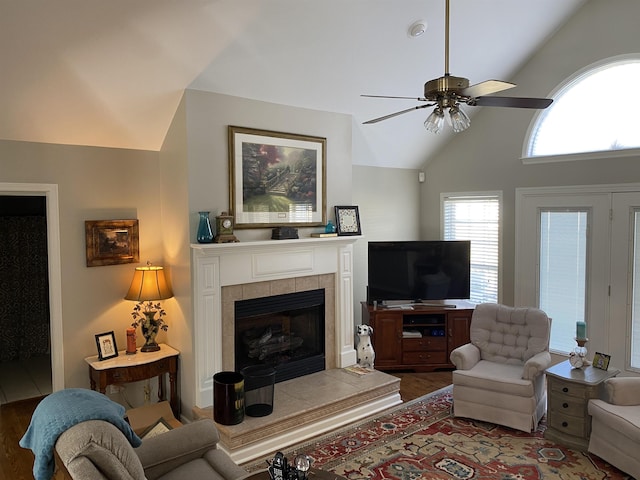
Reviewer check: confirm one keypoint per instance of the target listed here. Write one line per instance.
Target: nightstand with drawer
(568, 392)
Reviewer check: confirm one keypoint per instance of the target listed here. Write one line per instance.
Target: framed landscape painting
(276, 178)
(111, 242)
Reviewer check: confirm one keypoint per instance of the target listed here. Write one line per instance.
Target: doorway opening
(25, 353)
(31, 356)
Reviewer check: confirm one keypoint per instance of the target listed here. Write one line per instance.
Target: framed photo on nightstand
(601, 360)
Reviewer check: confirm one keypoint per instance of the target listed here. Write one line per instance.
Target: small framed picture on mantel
(347, 220)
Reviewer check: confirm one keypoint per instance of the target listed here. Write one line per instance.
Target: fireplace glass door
(285, 332)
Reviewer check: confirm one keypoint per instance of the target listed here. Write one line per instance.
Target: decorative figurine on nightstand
(578, 358)
(224, 229)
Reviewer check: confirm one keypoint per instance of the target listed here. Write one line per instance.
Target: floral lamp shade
(149, 283)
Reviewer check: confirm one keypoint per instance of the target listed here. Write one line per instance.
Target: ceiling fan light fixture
(435, 121)
(459, 120)
(448, 91)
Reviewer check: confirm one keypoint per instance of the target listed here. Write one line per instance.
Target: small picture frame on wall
(347, 220)
(601, 361)
(111, 242)
(106, 343)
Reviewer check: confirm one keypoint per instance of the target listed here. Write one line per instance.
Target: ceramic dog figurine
(364, 350)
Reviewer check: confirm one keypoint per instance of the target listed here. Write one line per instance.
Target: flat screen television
(419, 271)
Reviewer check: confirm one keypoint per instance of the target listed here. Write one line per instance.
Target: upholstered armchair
(96, 449)
(500, 373)
(615, 424)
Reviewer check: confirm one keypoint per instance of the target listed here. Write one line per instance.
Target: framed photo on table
(347, 220)
(158, 428)
(276, 179)
(106, 343)
(601, 361)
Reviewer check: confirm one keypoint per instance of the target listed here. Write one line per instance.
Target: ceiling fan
(446, 93)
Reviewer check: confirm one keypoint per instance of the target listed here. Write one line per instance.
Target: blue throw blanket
(62, 410)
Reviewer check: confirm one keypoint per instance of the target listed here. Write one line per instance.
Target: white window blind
(563, 267)
(476, 217)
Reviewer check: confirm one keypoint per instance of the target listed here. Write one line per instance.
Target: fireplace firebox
(285, 332)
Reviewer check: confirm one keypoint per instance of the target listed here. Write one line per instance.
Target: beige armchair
(615, 424)
(500, 374)
(98, 450)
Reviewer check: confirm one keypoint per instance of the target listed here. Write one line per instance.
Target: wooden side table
(568, 392)
(141, 366)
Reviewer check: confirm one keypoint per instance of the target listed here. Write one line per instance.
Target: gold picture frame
(601, 361)
(276, 179)
(111, 242)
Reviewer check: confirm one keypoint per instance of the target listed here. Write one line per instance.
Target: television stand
(417, 336)
(434, 305)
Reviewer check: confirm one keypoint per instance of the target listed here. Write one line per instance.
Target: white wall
(388, 200)
(174, 200)
(208, 118)
(487, 155)
(93, 184)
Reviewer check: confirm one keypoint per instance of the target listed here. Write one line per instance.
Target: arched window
(596, 110)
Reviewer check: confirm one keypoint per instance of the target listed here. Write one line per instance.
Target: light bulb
(435, 121)
(459, 120)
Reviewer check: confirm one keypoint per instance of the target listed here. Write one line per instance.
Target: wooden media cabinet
(417, 337)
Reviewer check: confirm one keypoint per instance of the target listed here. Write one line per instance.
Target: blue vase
(205, 233)
(330, 228)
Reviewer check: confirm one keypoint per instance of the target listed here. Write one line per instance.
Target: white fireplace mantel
(225, 264)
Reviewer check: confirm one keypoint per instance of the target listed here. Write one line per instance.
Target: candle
(581, 330)
(131, 341)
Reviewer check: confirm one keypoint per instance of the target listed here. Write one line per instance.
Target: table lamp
(148, 285)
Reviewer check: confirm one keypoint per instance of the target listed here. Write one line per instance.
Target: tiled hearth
(304, 406)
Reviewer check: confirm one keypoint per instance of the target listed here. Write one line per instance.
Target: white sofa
(615, 425)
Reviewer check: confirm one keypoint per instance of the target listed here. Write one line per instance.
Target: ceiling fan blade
(391, 115)
(514, 102)
(420, 99)
(486, 88)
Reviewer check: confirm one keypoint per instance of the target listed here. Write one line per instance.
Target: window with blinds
(476, 217)
(563, 273)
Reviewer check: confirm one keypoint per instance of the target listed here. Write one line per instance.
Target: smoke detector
(417, 29)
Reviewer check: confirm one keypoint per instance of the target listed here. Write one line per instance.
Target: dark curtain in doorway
(24, 292)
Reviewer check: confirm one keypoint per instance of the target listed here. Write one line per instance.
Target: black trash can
(228, 398)
(259, 383)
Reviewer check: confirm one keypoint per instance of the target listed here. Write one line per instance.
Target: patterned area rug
(421, 440)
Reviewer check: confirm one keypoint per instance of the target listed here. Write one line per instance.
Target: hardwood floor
(16, 463)
(414, 385)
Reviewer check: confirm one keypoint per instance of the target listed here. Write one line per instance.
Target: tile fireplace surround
(224, 273)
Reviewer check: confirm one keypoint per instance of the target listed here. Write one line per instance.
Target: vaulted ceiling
(111, 73)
